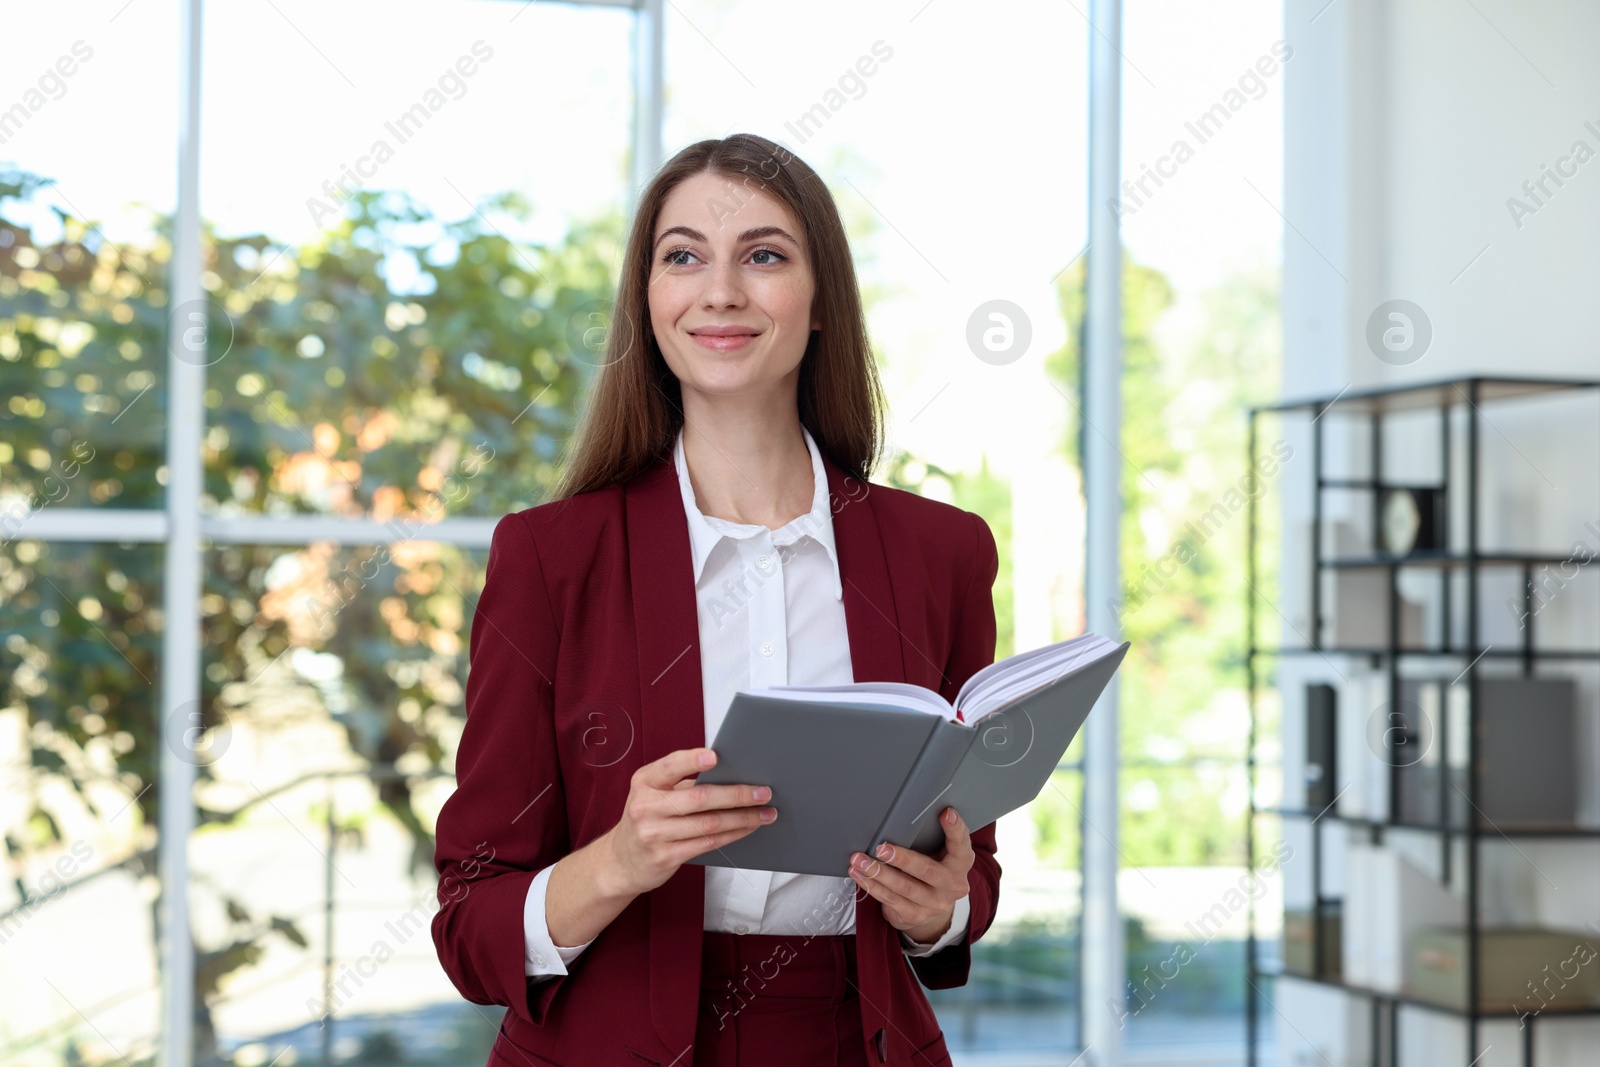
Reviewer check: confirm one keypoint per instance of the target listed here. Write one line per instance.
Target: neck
(747, 466)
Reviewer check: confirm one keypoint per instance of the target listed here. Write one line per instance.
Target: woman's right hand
(669, 819)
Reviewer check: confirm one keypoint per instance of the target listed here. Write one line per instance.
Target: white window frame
(186, 533)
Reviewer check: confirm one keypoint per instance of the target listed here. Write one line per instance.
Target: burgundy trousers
(779, 1001)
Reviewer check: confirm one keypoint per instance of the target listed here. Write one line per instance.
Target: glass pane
(84, 247)
(1022, 995)
(1186, 895)
(78, 756)
(410, 252)
(335, 675)
(953, 199)
(1198, 212)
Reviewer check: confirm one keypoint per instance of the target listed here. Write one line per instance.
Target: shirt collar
(706, 531)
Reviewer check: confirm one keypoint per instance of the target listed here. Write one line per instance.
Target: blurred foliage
(1191, 977)
(1058, 820)
(1185, 395)
(1034, 963)
(331, 388)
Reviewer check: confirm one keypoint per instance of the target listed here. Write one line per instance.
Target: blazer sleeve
(506, 819)
(971, 649)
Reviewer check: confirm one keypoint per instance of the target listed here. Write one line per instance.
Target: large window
(406, 222)
(410, 217)
(409, 237)
(83, 404)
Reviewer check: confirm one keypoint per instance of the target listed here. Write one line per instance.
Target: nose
(724, 287)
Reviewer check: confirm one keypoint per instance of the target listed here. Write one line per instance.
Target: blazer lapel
(672, 702)
(877, 654)
(672, 716)
(869, 610)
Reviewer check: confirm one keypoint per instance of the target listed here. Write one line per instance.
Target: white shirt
(771, 612)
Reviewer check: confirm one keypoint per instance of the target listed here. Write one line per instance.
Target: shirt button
(766, 649)
(538, 960)
(763, 559)
(741, 928)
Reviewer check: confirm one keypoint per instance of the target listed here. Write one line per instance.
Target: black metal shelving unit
(1374, 404)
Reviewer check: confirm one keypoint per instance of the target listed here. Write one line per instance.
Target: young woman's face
(730, 287)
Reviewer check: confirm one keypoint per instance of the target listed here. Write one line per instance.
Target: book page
(1012, 678)
(990, 688)
(897, 696)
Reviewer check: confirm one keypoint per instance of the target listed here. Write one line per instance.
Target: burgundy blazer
(584, 665)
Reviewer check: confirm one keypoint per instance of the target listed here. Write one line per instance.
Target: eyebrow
(756, 234)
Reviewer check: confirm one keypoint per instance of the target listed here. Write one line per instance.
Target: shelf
(1426, 395)
(1369, 483)
(1484, 1012)
(1446, 559)
(1455, 407)
(1492, 652)
(1453, 831)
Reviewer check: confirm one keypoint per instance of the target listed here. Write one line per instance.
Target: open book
(851, 766)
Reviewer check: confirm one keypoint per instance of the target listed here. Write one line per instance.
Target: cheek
(795, 297)
(666, 298)
(665, 307)
(788, 304)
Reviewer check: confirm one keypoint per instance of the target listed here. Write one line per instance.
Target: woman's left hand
(918, 892)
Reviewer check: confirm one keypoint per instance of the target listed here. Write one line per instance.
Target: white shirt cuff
(542, 957)
(959, 915)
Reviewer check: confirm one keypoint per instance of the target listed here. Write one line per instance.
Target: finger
(890, 898)
(957, 838)
(911, 861)
(911, 888)
(711, 823)
(674, 767)
(709, 842)
(709, 797)
(679, 803)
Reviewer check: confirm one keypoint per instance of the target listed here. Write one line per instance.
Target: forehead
(721, 207)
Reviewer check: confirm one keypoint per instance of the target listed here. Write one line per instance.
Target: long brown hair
(635, 406)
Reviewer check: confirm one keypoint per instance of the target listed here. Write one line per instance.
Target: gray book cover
(845, 777)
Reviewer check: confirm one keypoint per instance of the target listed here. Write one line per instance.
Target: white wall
(1408, 126)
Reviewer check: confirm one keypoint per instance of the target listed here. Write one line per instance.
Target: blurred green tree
(1184, 397)
(400, 368)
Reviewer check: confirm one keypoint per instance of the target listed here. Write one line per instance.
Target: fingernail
(707, 759)
(762, 793)
(768, 814)
(860, 862)
(885, 852)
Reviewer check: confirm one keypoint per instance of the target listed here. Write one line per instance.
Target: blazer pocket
(514, 1055)
(933, 1054)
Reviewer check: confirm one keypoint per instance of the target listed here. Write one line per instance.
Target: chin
(723, 384)
(719, 372)
(729, 373)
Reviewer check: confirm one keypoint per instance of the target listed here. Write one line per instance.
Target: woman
(714, 530)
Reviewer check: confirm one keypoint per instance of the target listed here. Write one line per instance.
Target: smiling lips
(724, 338)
